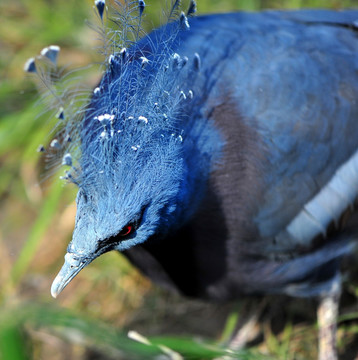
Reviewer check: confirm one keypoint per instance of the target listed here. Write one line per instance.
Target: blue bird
(220, 153)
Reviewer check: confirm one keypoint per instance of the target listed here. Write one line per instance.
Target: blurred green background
(92, 317)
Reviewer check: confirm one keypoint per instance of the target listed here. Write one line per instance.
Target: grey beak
(74, 263)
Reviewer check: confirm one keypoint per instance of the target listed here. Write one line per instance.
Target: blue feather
(211, 138)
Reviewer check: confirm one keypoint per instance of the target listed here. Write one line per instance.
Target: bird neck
(201, 153)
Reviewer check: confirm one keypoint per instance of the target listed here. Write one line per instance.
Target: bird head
(133, 176)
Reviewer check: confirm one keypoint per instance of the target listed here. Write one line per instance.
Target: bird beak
(74, 263)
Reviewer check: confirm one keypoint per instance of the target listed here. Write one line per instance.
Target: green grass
(110, 298)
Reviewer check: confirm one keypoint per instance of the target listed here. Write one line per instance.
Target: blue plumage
(211, 147)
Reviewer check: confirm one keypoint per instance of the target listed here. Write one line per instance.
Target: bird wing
(293, 77)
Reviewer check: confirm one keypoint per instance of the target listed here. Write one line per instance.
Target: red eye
(126, 230)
